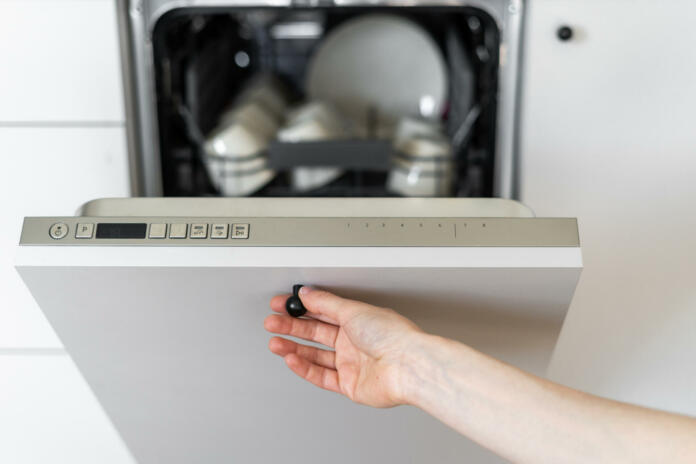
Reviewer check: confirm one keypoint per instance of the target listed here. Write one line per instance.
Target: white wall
(62, 142)
(609, 136)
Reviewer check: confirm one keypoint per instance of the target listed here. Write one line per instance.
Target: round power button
(58, 230)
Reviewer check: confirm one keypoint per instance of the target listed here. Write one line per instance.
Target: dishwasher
(160, 302)
(325, 98)
(367, 148)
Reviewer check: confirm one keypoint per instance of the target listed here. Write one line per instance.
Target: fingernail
(304, 291)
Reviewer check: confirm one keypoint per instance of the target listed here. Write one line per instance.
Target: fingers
(283, 347)
(278, 305)
(318, 375)
(307, 329)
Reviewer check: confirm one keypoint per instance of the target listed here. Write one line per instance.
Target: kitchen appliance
(187, 61)
(160, 303)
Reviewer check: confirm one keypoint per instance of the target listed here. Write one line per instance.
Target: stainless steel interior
(139, 25)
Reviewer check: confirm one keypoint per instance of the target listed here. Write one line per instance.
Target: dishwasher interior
(366, 101)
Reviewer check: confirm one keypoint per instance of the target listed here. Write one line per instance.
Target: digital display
(131, 230)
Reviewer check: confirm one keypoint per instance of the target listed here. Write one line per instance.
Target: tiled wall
(62, 142)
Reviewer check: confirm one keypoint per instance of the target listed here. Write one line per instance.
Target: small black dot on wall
(564, 33)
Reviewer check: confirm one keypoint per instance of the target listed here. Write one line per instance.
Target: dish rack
(197, 79)
(366, 162)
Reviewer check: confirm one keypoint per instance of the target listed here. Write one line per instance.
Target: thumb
(329, 307)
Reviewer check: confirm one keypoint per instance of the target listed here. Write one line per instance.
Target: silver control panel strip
(303, 231)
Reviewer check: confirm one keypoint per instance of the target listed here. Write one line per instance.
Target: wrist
(415, 367)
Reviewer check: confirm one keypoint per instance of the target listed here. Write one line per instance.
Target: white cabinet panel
(60, 61)
(48, 172)
(608, 135)
(50, 416)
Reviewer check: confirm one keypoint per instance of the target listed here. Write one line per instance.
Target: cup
(235, 156)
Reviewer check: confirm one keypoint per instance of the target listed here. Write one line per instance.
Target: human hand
(369, 343)
(382, 359)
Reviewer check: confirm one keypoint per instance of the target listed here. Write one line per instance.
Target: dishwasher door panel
(173, 345)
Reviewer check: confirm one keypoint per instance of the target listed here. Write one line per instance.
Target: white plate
(381, 61)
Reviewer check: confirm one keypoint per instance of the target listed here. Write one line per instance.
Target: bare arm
(527, 419)
(382, 359)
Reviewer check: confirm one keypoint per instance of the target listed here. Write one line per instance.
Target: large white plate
(383, 62)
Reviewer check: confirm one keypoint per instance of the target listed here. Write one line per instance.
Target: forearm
(531, 420)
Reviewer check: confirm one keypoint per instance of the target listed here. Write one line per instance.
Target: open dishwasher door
(161, 302)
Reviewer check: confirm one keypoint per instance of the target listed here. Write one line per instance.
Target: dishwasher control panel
(300, 231)
(156, 230)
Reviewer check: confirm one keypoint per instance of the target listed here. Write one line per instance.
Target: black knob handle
(564, 33)
(293, 305)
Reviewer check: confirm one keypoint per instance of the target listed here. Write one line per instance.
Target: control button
(84, 231)
(199, 230)
(178, 230)
(58, 230)
(240, 230)
(219, 231)
(158, 231)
